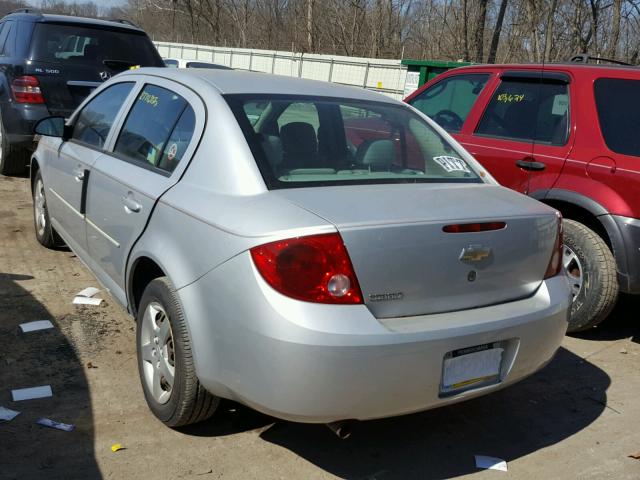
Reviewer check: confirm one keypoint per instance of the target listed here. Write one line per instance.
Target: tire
(14, 160)
(183, 400)
(45, 233)
(591, 270)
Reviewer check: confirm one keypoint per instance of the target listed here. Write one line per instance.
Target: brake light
(473, 227)
(555, 264)
(26, 89)
(314, 268)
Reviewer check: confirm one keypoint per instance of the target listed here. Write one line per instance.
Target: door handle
(530, 164)
(130, 205)
(79, 175)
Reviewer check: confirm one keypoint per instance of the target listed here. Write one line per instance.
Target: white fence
(384, 76)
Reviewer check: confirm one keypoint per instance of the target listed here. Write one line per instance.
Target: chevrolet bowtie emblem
(474, 253)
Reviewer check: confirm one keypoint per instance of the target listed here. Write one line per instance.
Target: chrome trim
(77, 212)
(102, 232)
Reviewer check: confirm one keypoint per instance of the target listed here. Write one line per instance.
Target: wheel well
(144, 271)
(579, 214)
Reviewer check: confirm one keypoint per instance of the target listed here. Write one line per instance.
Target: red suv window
(620, 131)
(449, 101)
(528, 110)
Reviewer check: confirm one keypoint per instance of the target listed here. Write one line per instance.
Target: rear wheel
(591, 273)
(13, 159)
(165, 359)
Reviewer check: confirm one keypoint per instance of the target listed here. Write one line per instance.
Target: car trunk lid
(407, 264)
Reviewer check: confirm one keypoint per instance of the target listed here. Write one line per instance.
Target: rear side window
(158, 129)
(618, 104)
(449, 101)
(528, 111)
(7, 35)
(115, 50)
(96, 118)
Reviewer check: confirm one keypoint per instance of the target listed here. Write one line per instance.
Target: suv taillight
(315, 268)
(27, 90)
(555, 264)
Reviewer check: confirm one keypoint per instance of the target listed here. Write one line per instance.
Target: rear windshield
(304, 141)
(70, 45)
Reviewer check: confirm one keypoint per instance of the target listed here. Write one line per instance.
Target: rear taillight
(555, 264)
(315, 268)
(27, 90)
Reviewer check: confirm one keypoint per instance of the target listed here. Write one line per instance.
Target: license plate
(471, 367)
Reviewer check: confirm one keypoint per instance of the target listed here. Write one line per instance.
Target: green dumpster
(429, 69)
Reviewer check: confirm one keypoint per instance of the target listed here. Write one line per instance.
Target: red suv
(568, 136)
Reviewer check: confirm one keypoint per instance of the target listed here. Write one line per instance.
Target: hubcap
(157, 352)
(573, 269)
(39, 205)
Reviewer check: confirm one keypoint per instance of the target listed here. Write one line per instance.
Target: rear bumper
(321, 363)
(624, 233)
(19, 121)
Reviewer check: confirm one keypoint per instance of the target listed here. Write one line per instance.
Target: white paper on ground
(47, 422)
(491, 463)
(8, 415)
(87, 301)
(30, 393)
(88, 292)
(36, 325)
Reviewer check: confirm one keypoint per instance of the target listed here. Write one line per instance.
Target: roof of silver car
(239, 82)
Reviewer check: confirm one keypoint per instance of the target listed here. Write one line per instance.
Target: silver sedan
(314, 251)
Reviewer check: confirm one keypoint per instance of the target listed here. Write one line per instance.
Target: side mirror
(51, 127)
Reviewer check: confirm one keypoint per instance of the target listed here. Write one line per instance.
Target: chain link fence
(384, 76)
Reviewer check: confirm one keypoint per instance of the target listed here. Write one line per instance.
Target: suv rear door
(523, 135)
(72, 59)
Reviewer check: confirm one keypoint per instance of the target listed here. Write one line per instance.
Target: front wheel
(591, 273)
(165, 359)
(45, 233)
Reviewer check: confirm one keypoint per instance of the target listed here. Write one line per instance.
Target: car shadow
(622, 322)
(38, 358)
(548, 407)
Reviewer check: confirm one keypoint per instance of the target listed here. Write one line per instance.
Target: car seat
(299, 145)
(376, 155)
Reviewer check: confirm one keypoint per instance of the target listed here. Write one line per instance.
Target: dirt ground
(579, 418)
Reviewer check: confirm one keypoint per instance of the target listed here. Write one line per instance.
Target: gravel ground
(577, 418)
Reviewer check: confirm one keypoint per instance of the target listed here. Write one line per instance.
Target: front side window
(303, 141)
(158, 128)
(449, 101)
(529, 111)
(96, 118)
(618, 104)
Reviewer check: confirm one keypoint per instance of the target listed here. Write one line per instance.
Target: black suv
(50, 63)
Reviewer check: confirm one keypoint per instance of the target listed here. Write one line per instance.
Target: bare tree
(479, 37)
(495, 39)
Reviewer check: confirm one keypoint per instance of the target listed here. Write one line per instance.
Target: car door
(68, 170)
(153, 145)
(523, 134)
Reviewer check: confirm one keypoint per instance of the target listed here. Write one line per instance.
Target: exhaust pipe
(342, 429)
